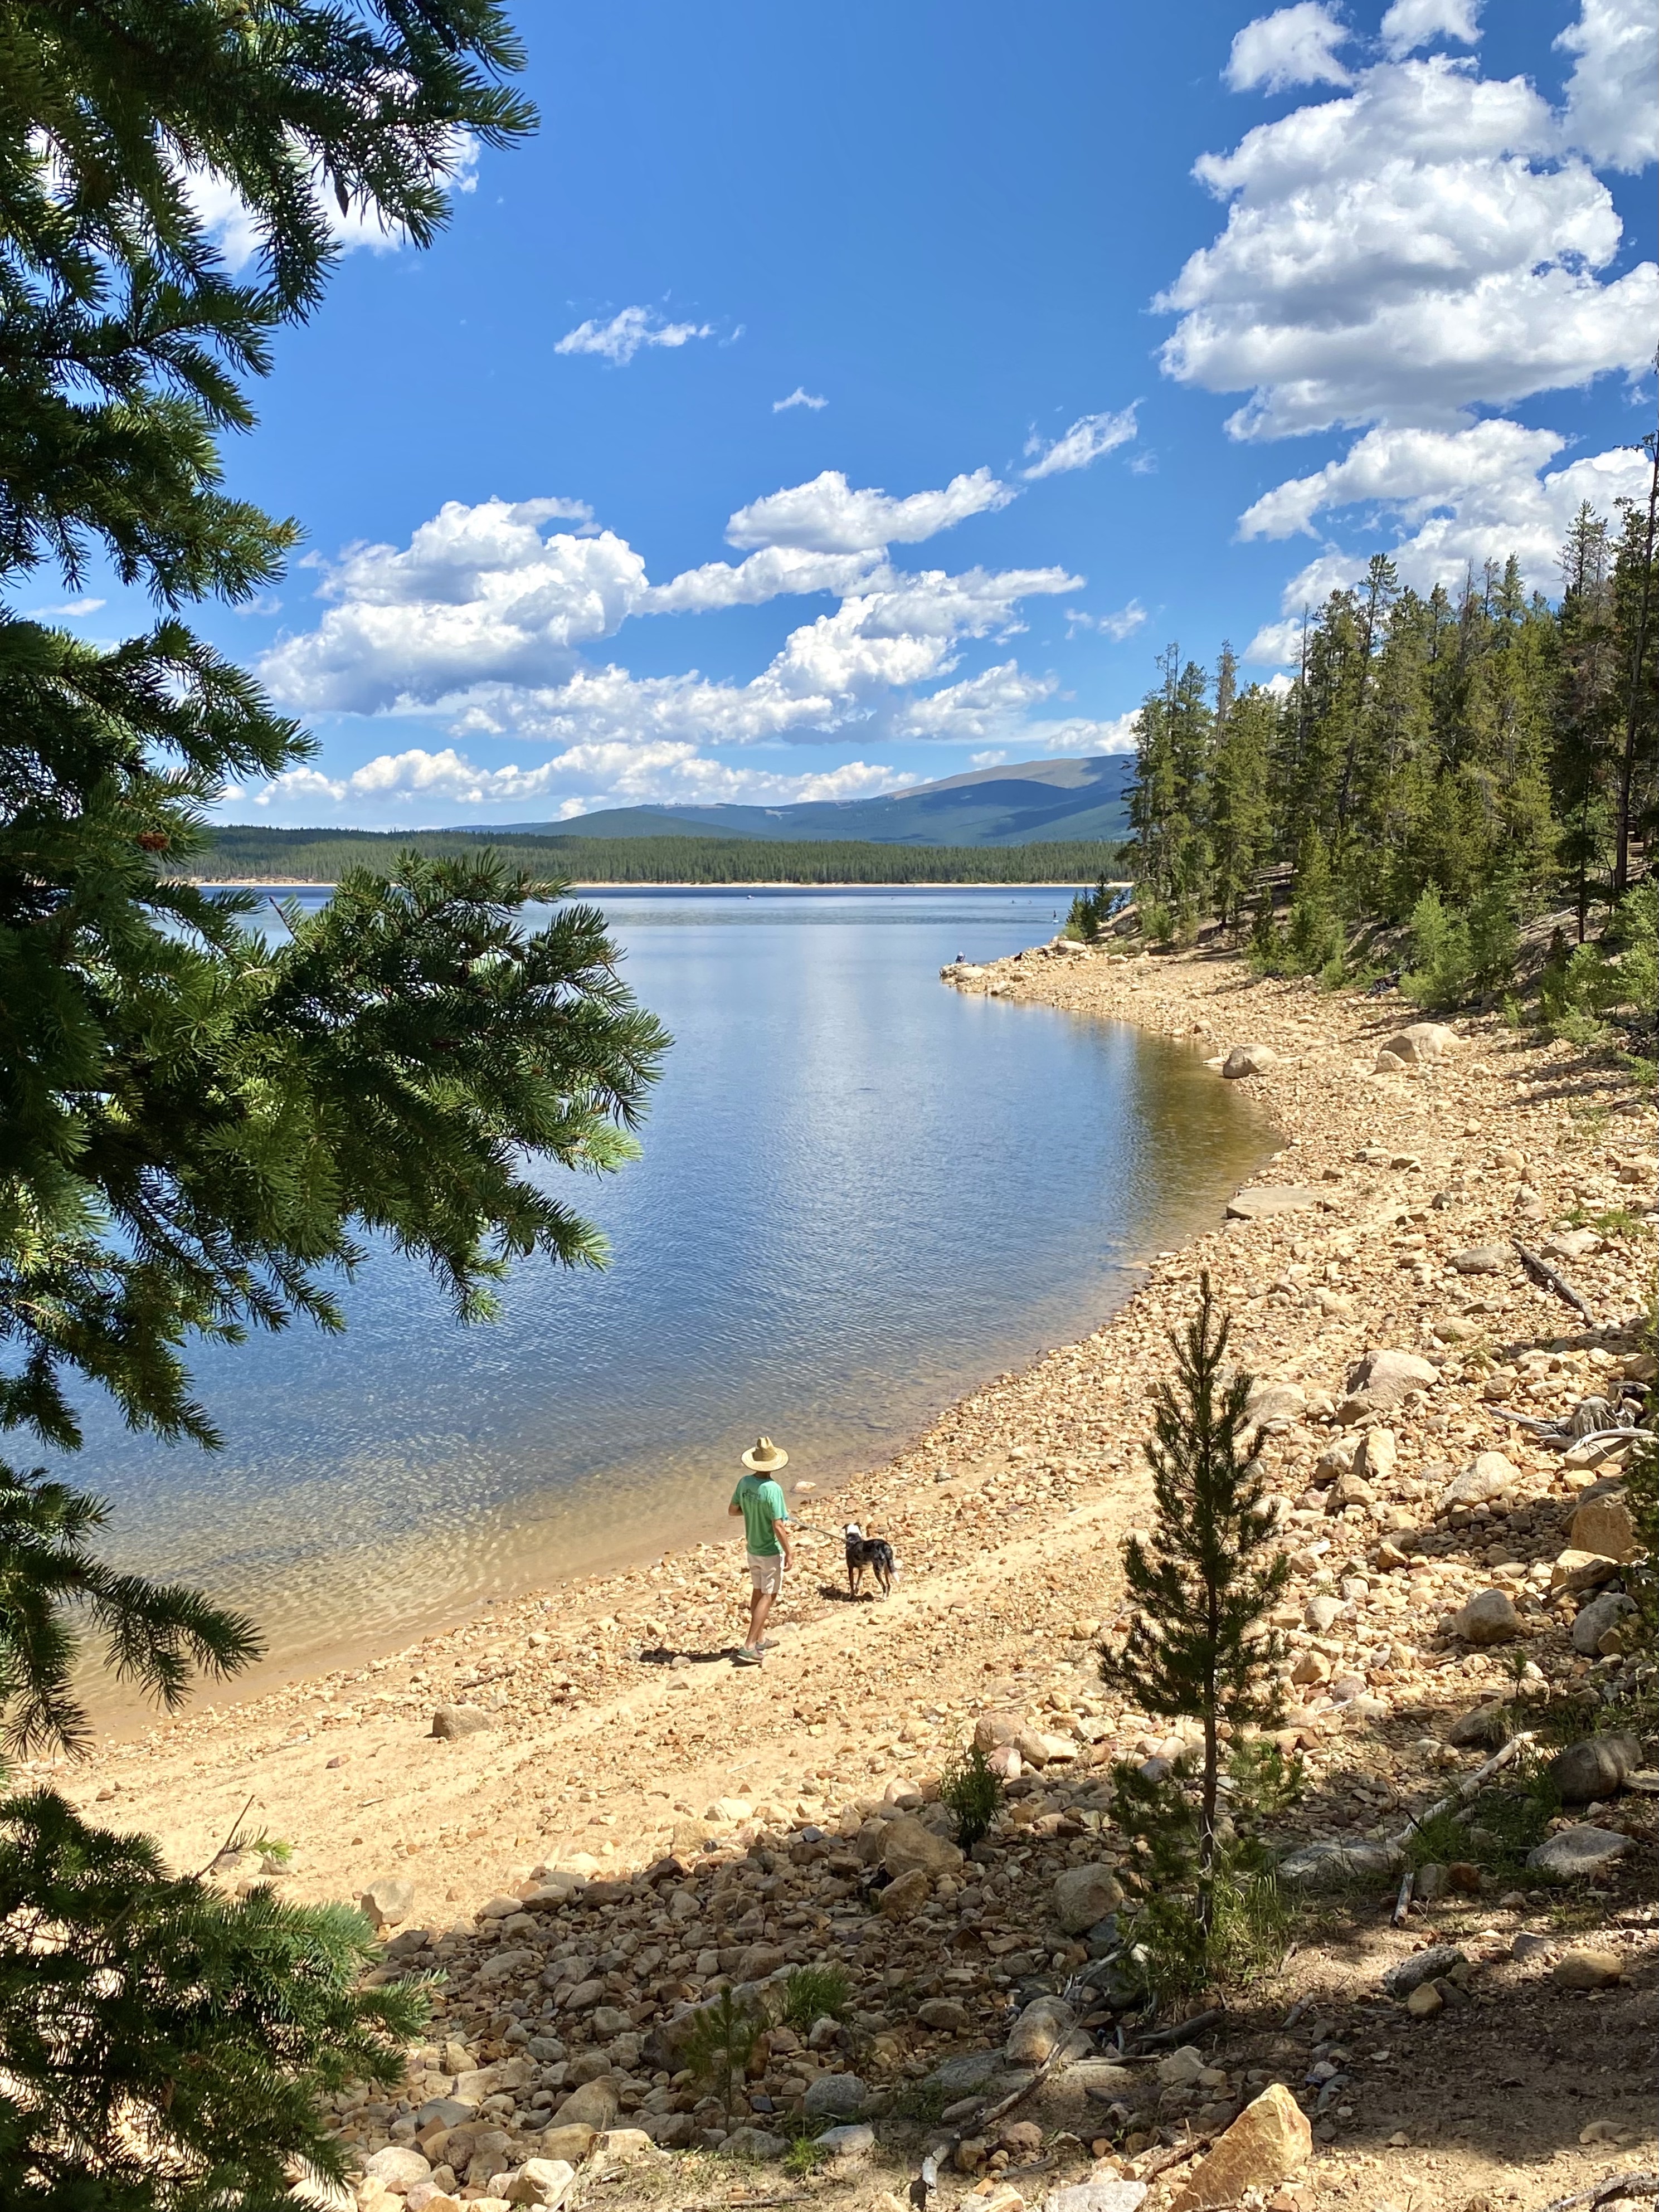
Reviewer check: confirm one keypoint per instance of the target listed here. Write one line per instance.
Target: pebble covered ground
(614, 1822)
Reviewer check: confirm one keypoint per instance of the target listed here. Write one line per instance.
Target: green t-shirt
(761, 1503)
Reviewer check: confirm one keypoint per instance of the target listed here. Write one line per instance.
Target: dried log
(1621, 2186)
(1179, 2034)
(1402, 1903)
(1467, 1788)
(1552, 1279)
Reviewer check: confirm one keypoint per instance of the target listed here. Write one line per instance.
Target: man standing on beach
(771, 1547)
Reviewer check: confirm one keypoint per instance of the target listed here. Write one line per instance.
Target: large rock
(1575, 1571)
(850, 2144)
(1268, 2141)
(593, 2106)
(1576, 1853)
(1594, 1768)
(452, 1721)
(907, 1893)
(1329, 1865)
(909, 1844)
(1265, 1199)
(387, 1900)
(1587, 1970)
(834, 2097)
(757, 2143)
(1039, 2031)
(1604, 1525)
(1383, 1377)
(1422, 1043)
(547, 2182)
(1084, 1895)
(1487, 1728)
(1488, 1476)
(571, 2143)
(397, 2168)
(1598, 1619)
(1484, 1260)
(1248, 1060)
(1271, 1401)
(991, 1730)
(1377, 1456)
(1488, 1618)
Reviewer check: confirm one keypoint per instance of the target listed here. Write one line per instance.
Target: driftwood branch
(1162, 2161)
(1467, 1788)
(1182, 2028)
(1609, 2192)
(1552, 1279)
(1402, 1903)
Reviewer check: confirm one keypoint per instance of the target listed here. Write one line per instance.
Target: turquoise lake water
(861, 1194)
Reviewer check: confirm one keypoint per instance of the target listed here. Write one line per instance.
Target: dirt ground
(610, 1732)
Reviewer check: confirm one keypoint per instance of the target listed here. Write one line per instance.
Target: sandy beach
(605, 1726)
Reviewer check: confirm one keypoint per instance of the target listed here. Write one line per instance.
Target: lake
(861, 1194)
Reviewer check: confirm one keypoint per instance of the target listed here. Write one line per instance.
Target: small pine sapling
(718, 2049)
(1202, 1585)
(972, 1788)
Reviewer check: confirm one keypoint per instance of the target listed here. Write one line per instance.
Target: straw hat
(764, 1456)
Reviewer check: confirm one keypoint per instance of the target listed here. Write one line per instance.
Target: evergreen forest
(1453, 767)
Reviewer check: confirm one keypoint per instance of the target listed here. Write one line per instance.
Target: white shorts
(766, 1574)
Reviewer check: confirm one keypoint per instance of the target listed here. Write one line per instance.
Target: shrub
(974, 1793)
(1090, 914)
(718, 2047)
(813, 1993)
(1443, 961)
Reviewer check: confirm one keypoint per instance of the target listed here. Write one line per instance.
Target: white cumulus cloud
(1123, 622)
(800, 397)
(1089, 437)
(1611, 113)
(1411, 23)
(829, 516)
(1402, 253)
(618, 340)
(1293, 46)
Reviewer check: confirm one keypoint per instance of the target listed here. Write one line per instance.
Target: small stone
(593, 2106)
(1587, 1970)
(571, 2143)
(834, 2097)
(1084, 1895)
(1488, 1728)
(1321, 1612)
(850, 2144)
(1424, 2002)
(909, 1844)
(1594, 1768)
(1483, 1259)
(944, 2015)
(1598, 1619)
(1491, 1617)
(1327, 1865)
(387, 1901)
(397, 2168)
(1377, 1456)
(1265, 1199)
(1097, 2196)
(1489, 1476)
(1578, 1852)
(1182, 2068)
(1430, 1965)
(1349, 1490)
(1575, 1571)
(1268, 2141)
(754, 2144)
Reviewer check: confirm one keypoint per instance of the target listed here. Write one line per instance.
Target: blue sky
(1104, 326)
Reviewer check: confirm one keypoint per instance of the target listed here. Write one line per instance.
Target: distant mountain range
(1031, 803)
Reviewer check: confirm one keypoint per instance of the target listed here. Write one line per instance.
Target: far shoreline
(619, 884)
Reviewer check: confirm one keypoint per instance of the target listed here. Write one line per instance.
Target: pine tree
(1240, 822)
(1586, 710)
(1204, 1582)
(1634, 581)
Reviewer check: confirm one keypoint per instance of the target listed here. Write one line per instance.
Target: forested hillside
(242, 855)
(1461, 763)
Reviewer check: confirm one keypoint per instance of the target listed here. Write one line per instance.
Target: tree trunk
(1627, 763)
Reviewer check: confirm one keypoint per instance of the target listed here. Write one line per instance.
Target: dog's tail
(893, 1566)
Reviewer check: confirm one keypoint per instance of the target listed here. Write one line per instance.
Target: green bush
(974, 1794)
(1090, 914)
(718, 2049)
(1443, 959)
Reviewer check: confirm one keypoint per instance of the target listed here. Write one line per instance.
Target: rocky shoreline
(604, 1822)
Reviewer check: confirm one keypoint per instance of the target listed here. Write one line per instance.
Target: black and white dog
(874, 1553)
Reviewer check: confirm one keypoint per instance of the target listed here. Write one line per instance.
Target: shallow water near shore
(861, 1194)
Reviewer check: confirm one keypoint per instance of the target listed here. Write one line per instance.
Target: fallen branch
(1161, 2161)
(1402, 1903)
(1609, 2192)
(1182, 2028)
(1465, 1790)
(1552, 1279)
(984, 2119)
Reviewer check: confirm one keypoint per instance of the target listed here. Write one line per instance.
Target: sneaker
(744, 1657)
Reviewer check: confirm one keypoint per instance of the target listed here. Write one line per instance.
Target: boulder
(1571, 1244)
(1269, 2141)
(992, 1729)
(1574, 1854)
(1084, 1895)
(1575, 1571)
(1488, 1618)
(1329, 1865)
(944, 2015)
(1383, 1377)
(1338, 1458)
(906, 1894)
(1603, 1525)
(571, 2143)
(1488, 1476)
(1409, 1974)
(1349, 1490)
(593, 2106)
(1248, 1060)
(834, 2097)
(1593, 1769)
(909, 1844)
(1270, 1401)
(1266, 1199)
(387, 1900)
(1183, 2069)
(544, 2181)
(1039, 2031)
(1587, 1970)
(1484, 1260)
(452, 1721)
(756, 2143)
(1487, 1728)
(1422, 1043)
(850, 2144)
(397, 2168)
(1599, 1618)
(1376, 1456)
(967, 2074)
